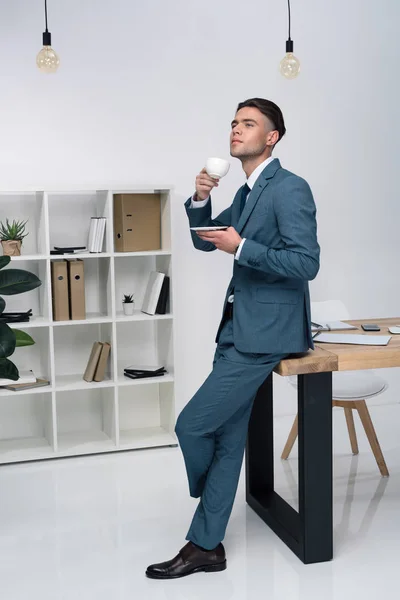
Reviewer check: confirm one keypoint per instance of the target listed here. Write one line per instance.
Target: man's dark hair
(270, 110)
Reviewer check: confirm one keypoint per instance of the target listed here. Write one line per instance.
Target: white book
(152, 293)
(92, 234)
(96, 242)
(24, 377)
(100, 236)
(330, 326)
(350, 338)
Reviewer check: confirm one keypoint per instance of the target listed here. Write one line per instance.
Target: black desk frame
(309, 532)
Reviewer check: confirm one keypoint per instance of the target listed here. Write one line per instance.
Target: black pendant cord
(289, 42)
(45, 13)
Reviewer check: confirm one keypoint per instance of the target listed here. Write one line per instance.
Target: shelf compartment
(85, 421)
(35, 357)
(36, 299)
(97, 275)
(146, 416)
(163, 196)
(72, 347)
(131, 277)
(144, 343)
(26, 426)
(98, 287)
(70, 214)
(30, 206)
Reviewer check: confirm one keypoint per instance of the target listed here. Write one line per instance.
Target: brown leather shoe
(190, 559)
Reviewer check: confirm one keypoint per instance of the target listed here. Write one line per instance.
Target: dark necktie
(243, 197)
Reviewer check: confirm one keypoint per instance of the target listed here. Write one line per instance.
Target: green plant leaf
(8, 369)
(2, 305)
(7, 340)
(4, 260)
(17, 281)
(22, 338)
(12, 231)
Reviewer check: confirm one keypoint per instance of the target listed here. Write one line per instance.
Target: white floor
(86, 528)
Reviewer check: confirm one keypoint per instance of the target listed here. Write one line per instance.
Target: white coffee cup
(217, 167)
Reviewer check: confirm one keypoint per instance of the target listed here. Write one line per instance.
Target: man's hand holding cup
(209, 177)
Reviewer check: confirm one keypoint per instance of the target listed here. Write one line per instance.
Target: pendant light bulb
(47, 59)
(289, 65)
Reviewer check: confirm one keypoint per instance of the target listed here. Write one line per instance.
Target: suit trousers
(212, 432)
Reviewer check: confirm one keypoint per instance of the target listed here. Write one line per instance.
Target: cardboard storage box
(137, 222)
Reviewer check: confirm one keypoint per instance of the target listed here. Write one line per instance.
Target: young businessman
(272, 233)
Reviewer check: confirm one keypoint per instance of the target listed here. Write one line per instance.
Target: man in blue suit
(272, 235)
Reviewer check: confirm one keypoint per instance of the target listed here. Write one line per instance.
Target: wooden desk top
(346, 357)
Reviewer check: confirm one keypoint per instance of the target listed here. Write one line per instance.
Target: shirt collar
(257, 171)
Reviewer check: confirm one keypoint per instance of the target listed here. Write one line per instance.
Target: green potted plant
(11, 236)
(128, 304)
(13, 281)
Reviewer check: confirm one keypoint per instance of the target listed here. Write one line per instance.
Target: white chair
(350, 389)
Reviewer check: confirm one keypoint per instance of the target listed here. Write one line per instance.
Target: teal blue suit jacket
(280, 255)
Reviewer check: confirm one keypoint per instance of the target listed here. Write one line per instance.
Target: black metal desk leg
(307, 532)
(315, 465)
(260, 442)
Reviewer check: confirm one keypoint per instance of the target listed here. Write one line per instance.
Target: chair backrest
(329, 310)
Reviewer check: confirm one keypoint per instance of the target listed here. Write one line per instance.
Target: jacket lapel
(261, 183)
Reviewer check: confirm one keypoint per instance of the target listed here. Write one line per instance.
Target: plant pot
(128, 308)
(11, 247)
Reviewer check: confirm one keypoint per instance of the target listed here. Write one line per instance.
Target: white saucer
(215, 228)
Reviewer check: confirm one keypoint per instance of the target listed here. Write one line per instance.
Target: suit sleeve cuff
(239, 249)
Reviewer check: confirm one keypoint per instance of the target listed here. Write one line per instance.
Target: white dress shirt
(250, 182)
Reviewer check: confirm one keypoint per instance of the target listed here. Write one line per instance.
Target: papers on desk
(350, 338)
(330, 326)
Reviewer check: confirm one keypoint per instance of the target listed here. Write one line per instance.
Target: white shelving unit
(73, 417)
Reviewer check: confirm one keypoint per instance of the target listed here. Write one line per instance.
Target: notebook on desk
(365, 340)
(331, 326)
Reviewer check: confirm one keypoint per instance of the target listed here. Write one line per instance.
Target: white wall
(146, 91)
